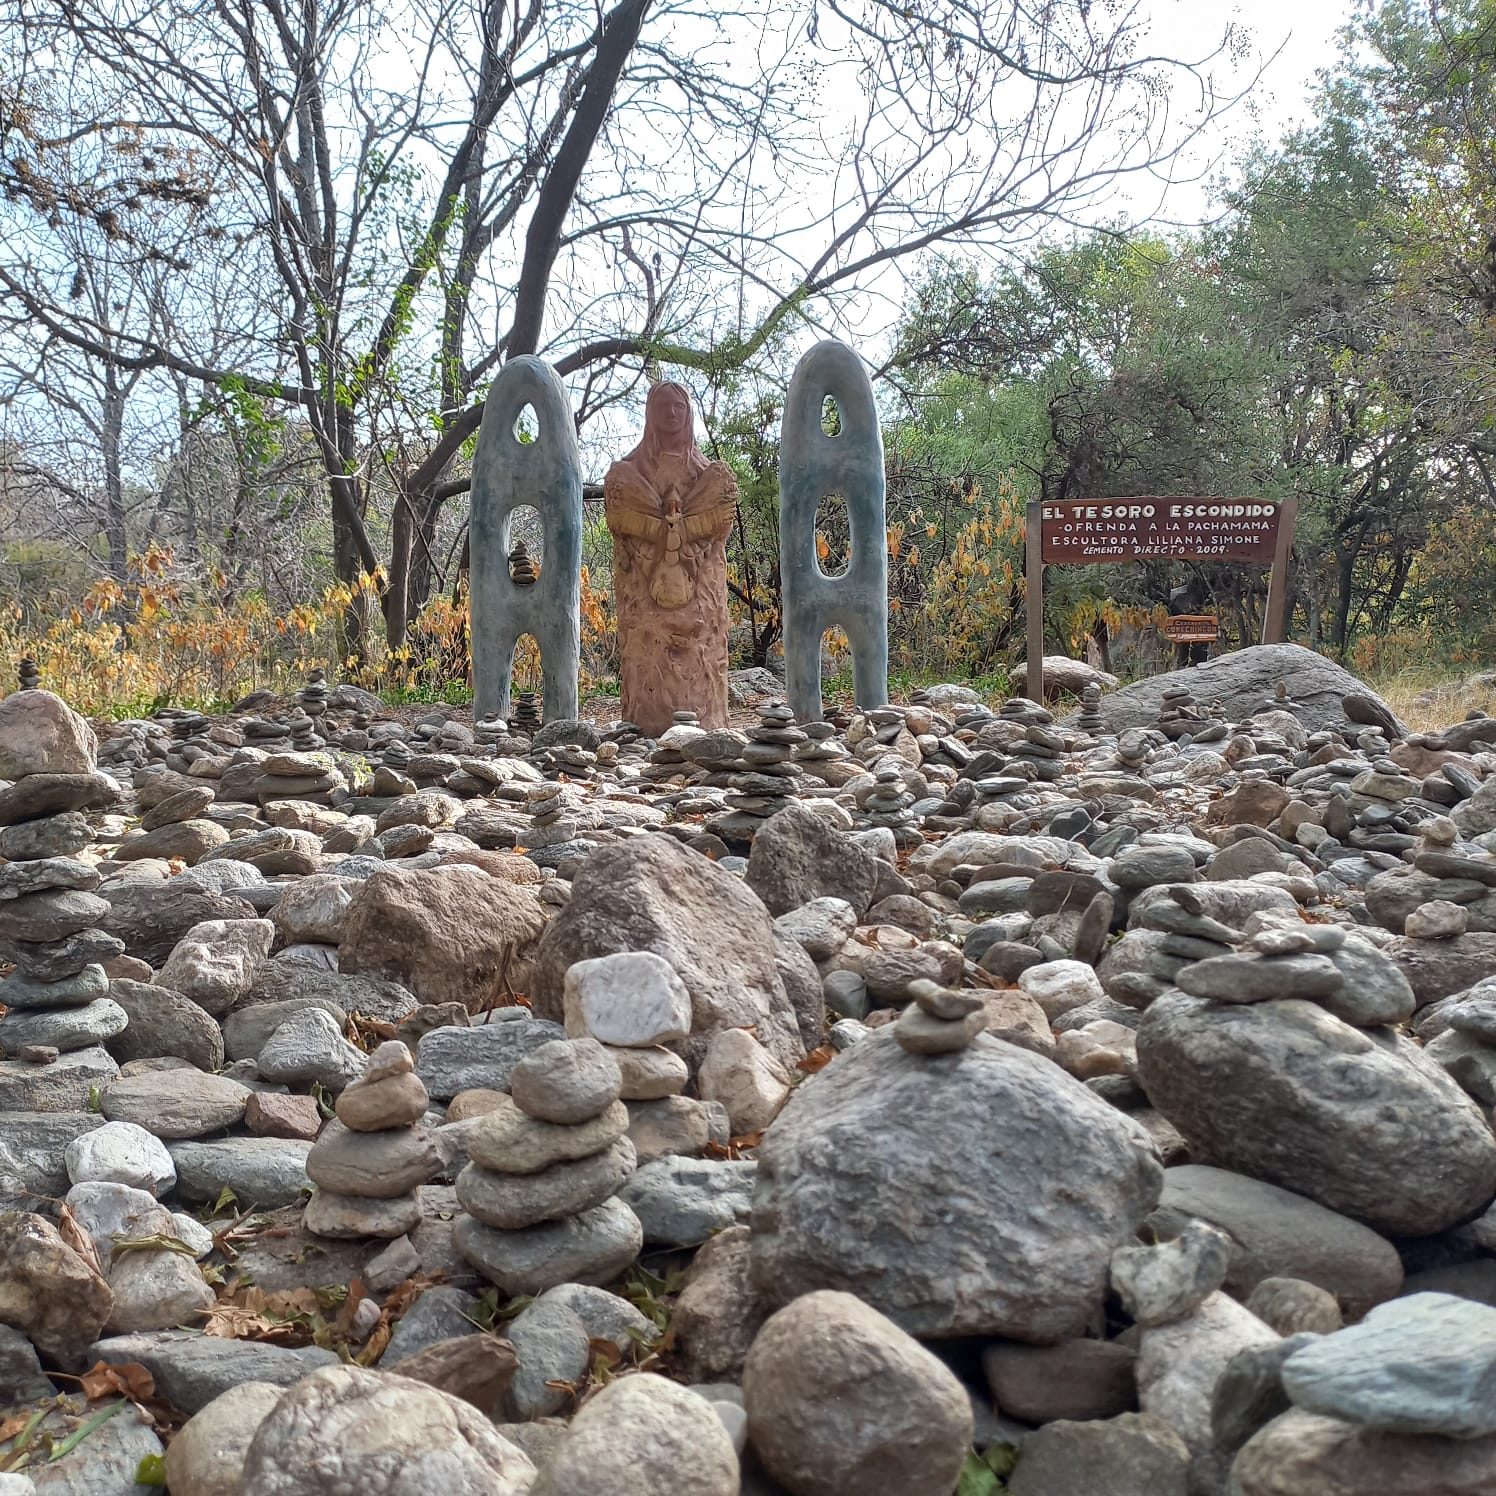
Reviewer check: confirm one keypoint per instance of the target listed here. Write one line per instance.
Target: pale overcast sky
(1300, 32)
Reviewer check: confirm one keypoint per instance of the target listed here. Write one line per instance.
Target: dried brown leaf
(78, 1239)
(817, 1059)
(129, 1380)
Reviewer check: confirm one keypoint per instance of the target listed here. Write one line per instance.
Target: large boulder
(975, 1193)
(653, 894)
(840, 1399)
(1359, 1120)
(798, 855)
(1244, 681)
(1063, 676)
(41, 734)
(343, 1429)
(449, 934)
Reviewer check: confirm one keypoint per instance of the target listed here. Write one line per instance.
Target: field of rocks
(942, 1098)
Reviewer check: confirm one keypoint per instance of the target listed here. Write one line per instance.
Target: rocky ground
(931, 1099)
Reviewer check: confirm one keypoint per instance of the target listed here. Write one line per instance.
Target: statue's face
(671, 412)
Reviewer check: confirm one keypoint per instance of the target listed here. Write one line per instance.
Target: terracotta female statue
(670, 512)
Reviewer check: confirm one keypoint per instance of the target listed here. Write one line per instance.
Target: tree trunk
(112, 437)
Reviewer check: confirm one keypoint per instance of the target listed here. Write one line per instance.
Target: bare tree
(395, 200)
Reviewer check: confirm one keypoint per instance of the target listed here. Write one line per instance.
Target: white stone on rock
(121, 1153)
(631, 999)
(214, 963)
(1059, 986)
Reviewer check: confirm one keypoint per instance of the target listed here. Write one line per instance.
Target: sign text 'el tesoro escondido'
(1077, 531)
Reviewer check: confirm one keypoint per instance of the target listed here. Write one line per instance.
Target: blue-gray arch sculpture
(545, 473)
(813, 466)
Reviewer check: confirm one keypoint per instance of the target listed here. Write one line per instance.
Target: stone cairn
(50, 917)
(548, 804)
(670, 759)
(489, 732)
(171, 818)
(312, 697)
(570, 759)
(1021, 710)
(356, 738)
(939, 1020)
(886, 802)
(1041, 750)
(27, 674)
(1090, 720)
(767, 780)
(544, 1169)
(369, 1165)
(820, 749)
(525, 714)
(1179, 714)
(522, 570)
(298, 775)
(1216, 729)
(1133, 749)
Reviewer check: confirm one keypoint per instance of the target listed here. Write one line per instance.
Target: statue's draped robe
(670, 514)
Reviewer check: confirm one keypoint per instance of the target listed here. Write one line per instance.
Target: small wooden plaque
(1192, 628)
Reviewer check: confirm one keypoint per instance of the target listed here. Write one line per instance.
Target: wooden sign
(1077, 531)
(1192, 628)
(1251, 532)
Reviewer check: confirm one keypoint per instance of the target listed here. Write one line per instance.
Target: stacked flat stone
(715, 756)
(1133, 749)
(397, 755)
(355, 739)
(28, 676)
(545, 1168)
(172, 818)
(820, 751)
(525, 714)
(939, 1020)
(552, 814)
(570, 759)
(304, 735)
(1278, 956)
(50, 916)
(970, 720)
(1184, 932)
(944, 749)
(1216, 728)
(670, 759)
(767, 780)
(1025, 712)
(522, 571)
(886, 802)
(489, 732)
(886, 724)
(312, 697)
(264, 732)
(1179, 713)
(1090, 720)
(369, 1165)
(1041, 750)
(295, 775)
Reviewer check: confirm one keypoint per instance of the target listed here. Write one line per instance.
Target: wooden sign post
(1077, 532)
